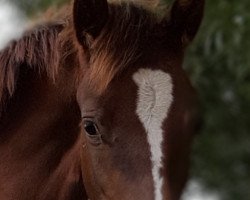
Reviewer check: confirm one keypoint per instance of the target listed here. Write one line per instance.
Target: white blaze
(154, 100)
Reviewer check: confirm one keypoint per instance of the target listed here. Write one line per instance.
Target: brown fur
(37, 49)
(44, 48)
(39, 130)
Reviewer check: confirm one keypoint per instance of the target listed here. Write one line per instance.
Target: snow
(12, 22)
(195, 191)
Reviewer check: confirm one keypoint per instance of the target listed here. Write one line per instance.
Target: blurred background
(218, 63)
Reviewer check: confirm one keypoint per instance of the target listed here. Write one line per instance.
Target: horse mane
(36, 49)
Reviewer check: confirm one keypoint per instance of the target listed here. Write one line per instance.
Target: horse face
(115, 155)
(136, 103)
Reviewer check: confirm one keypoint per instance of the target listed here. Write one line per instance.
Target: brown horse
(116, 68)
(137, 105)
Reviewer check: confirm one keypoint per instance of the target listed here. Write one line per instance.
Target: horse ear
(90, 16)
(185, 19)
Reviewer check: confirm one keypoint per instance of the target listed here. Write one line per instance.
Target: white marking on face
(154, 101)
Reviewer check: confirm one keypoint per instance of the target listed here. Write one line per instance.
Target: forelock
(129, 29)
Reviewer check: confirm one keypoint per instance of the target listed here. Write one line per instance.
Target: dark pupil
(90, 128)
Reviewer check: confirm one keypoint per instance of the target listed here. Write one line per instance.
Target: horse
(96, 105)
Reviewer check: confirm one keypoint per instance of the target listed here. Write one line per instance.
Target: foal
(99, 102)
(137, 105)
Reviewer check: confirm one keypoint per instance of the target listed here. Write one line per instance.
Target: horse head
(137, 104)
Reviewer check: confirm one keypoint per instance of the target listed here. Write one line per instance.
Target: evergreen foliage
(31, 7)
(219, 63)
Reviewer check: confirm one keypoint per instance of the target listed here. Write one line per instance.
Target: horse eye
(90, 128)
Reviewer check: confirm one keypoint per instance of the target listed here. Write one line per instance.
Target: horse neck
(39, 140)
